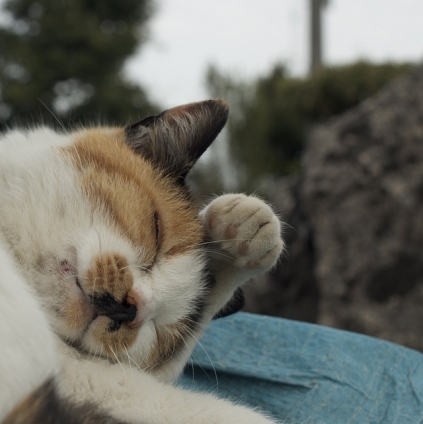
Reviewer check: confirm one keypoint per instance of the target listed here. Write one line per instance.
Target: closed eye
(157, 230)
(149, 263)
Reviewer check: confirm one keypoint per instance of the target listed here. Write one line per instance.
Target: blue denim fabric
(302, 373)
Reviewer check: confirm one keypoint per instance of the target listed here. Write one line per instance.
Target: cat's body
(100, 242)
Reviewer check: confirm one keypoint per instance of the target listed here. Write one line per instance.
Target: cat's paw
(245, 231)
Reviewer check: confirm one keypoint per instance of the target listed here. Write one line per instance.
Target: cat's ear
(176, 138)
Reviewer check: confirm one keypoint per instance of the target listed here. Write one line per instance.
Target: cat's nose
(133, 310)
(124, 313)
(106, 305)
(135, 299)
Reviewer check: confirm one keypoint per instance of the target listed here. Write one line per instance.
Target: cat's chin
(121, 345)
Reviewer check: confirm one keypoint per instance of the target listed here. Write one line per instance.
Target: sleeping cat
(109, 275)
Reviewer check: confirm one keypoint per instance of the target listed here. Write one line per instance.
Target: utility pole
(316, 33)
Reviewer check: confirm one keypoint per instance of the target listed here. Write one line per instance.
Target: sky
(246, 38)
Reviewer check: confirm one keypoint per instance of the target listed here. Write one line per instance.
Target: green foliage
(331, 91)
(271, 117)
(68, 55)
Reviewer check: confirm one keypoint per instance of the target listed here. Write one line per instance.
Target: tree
(67, 56)
(273, 115)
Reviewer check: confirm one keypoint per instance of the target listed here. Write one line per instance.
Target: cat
(109, 274)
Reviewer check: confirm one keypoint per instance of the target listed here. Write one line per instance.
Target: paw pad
(253, 264)
(231, 231)
(213, 221)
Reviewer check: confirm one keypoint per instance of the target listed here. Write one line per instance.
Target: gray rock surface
(360, 199)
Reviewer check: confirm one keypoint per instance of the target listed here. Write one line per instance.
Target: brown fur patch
(113, 342)
(77, 314)
(148, 209)
(44, 406)
(169, 341)
(133, 191)
(109, 273)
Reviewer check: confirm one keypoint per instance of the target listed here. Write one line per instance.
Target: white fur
(27, 354)
(135, 397)
(45, 219)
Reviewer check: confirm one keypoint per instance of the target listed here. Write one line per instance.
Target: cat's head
(128, 279)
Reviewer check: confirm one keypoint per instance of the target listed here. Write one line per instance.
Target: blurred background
(326, 123)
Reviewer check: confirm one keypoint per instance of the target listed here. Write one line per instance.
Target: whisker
(117, 360)
(132, 359)
(208, 356)
(134, 266)
(77, 155)
(54, 116)
(222, 241)
(220, 253)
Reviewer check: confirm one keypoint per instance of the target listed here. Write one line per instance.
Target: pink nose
(134, 298)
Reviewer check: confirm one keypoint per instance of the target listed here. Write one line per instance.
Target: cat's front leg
(131, 396)
(245, 241)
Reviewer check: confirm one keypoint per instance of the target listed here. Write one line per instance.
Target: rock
(362, 191)
(359, 201)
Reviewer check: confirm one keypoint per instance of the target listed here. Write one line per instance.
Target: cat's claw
(246, 231)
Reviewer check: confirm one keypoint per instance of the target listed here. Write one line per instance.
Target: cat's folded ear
(176, 138)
